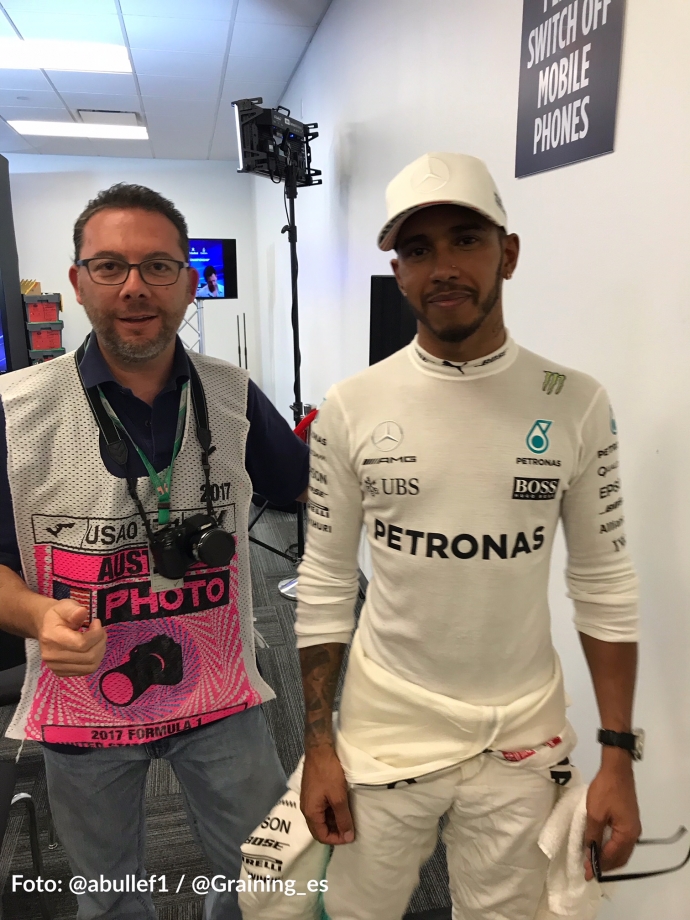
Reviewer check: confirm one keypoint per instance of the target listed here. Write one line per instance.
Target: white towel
(567, 894)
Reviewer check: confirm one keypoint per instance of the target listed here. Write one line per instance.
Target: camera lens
(216, 547)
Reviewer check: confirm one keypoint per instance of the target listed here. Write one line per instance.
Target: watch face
(639, 743)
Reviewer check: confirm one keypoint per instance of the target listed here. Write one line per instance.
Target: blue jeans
(230, 776)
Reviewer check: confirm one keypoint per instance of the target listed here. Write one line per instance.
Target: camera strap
(110, 427)
(160, 481)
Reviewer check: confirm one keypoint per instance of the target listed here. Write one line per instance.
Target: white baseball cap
(440, 178)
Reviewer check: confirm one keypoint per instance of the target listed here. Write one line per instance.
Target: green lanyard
(160, 481)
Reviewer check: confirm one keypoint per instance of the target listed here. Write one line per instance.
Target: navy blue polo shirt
(276, 460)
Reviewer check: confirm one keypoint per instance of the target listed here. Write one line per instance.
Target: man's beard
(133, 351)
(460, 333)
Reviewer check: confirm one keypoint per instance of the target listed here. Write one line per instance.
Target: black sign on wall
(569, 72)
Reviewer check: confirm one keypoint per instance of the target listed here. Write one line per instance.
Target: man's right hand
(324, 801)
(65, 648)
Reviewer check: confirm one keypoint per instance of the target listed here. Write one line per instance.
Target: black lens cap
(216, 547)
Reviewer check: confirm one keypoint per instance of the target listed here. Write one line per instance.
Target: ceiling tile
(27, 98)
(68, 27)
(175, 87)
(178, 64)
(102, 101)
(268, 40)
(167, 34)
(179, 9)
(6, 30)
(11, 142)
(246, 69)
(116, 84)
(176, 146)
(160, 106)
(71, 146)
(23, 79)
(76, 7)
(117, 148)
(224, 145)
(188, 122)
(34, 113)
(287, 12)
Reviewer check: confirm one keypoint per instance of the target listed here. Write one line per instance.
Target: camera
(197, 539)
(157, 662)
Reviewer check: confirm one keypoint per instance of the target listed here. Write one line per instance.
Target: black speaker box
(391, 321)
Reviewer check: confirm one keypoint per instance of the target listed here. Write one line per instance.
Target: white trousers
(494, 812)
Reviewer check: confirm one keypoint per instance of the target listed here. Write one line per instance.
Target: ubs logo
(387, 436)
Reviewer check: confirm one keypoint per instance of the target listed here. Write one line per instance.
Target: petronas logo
(538, 439)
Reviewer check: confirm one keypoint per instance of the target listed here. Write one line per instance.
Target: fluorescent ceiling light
(49, 54)
(75, 129)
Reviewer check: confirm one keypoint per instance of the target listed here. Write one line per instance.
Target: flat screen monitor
(216, 262)
(3, 352)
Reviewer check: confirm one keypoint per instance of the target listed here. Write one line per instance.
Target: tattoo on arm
(320, 671)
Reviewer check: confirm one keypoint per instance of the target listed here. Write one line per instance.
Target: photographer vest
(176, 658)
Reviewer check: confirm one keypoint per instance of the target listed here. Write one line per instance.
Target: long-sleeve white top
(460, 474)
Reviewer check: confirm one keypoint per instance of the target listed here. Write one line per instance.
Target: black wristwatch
(633, 741)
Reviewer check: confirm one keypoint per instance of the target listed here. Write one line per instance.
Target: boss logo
(536, 490)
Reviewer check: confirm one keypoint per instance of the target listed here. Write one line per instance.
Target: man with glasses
(124, 560)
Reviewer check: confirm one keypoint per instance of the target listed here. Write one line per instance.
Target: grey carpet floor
(170, 848)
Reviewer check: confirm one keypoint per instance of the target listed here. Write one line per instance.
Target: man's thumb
(72, 613)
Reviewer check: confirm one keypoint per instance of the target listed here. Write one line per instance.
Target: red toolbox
(42, 308)
(44, 336)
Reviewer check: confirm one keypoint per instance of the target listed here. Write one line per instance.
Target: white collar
(486, 366)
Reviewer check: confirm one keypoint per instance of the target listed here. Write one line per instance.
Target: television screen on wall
(3, 353)
(216, 262)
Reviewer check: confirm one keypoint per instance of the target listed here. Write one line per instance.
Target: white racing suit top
(178, 655)
(460, 474)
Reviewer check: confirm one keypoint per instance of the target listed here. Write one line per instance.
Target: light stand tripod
(273, 144)
(288, 586)
(297, 408)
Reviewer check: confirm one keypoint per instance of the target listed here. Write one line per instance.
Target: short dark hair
(126, 195)
(208, 271)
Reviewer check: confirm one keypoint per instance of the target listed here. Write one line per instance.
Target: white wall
(602, 286)
(49, 192)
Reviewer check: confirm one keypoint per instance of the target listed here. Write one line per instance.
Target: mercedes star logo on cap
(387, 436)
(433, 175)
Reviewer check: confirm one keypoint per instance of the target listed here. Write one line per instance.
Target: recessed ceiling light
(77, 129)
(49, 54)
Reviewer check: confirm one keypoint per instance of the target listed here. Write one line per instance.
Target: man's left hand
(612, 802)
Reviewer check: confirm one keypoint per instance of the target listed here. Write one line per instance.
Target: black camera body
(154, 663)
(198, 538)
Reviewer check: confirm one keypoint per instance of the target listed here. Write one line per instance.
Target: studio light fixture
(75, 129)
(49, 54)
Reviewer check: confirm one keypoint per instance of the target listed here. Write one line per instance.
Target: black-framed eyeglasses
(160, 272)
(630, 876)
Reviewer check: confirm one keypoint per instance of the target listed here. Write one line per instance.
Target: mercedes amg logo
(432, 174)
(387, 436)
